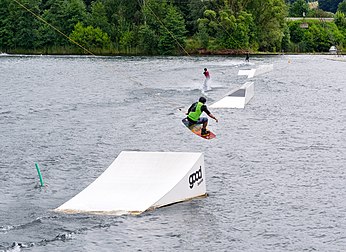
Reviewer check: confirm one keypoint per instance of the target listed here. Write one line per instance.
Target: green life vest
(196, 112)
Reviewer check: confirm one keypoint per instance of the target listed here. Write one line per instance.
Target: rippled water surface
(275, 177)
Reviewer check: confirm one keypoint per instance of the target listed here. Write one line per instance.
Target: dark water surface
(275, 177)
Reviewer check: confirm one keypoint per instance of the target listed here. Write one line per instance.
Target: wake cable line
(52, 26)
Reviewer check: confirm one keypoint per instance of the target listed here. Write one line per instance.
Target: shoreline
(226, 52)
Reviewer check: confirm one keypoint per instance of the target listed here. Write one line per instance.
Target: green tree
(98, 16)
(18, 26)
(320, 42)
(342, 7)
(90, 37)
(203, 36)
(329, 5)
(299, 8)
(235, 32)
(119, 8)
(318, 13)
(173, 32)
(207, 29)
(147, 40)
(127, 41)
(6, 27)
(196, 12)
(317, 38)
(236, 6)
(154, 13)
(269, 17)
(340, 20)
(209, 22)
(63, 15)
(296, 32)
(123, 16)
(286, 39)
(244, 24)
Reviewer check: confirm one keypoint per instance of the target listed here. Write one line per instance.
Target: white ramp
(138, 181)
(250, 73)
(237, 98)
(261, 69)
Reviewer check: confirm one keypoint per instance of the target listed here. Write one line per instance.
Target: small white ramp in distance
(237, 98)
(250, 72)
(262, 69)
(138, 181)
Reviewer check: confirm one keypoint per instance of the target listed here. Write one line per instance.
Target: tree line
(163, 27)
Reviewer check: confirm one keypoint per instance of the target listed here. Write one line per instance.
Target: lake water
(275, 177)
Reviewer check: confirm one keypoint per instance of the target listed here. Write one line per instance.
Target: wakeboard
(196, 129)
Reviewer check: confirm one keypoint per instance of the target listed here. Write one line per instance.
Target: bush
(90, 37)
(317, 38)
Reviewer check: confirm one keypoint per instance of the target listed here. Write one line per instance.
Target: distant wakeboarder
(206, 86)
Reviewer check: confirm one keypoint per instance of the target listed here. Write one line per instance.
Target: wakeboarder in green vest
(194, 115)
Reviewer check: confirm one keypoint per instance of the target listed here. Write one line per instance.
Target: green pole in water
(39, 174)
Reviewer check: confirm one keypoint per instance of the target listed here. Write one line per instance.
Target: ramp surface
(138, 181)
(237, 98)
(261, 69)
(250, 72)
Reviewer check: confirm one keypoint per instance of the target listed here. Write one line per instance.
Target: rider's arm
(205, 109)
(212, 116)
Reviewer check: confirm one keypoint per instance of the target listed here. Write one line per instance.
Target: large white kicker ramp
(138, 181)
(237, 98)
